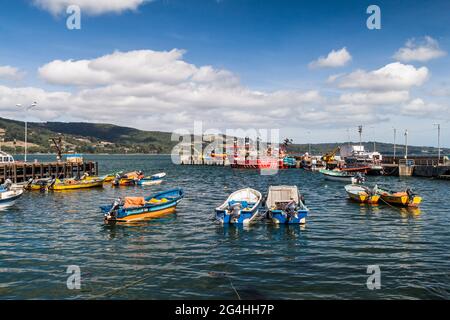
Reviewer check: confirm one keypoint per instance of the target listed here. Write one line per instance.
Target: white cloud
(10, 73)
(418, 107)
(394, 76)
(156, 85)
(424, 51)
(375, 98)
(94, 7)
(334, 59)
(146, 66)
(159, 90)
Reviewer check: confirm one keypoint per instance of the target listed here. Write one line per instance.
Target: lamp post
(374, 139)
(34, 104)
(395, 143)
(406, 144)
(309, 142)
(360, 130)
(438, 125)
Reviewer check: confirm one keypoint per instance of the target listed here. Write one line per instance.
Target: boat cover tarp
(133, 202)
(281, 194)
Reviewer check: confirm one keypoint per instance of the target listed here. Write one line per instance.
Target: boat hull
(10, 200)
(241, 207)
(363, 198)
(242, 218)
(149, 182)
(281, 217)
(141, 214)
(83, 185)
(362, 194)
(124, 182)
(403, 201)
(157, 205)
(338, 176)
(338, 179)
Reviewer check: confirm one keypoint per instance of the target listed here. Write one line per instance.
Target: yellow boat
(400, 198)
(70, 184)
(38, 184)
(362, 194)
(110, 177)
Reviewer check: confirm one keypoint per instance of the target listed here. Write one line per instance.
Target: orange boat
(400, 198)
(128, 179)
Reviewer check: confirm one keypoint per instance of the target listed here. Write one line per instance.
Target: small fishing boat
(400, 198)
(240, 207)
(8, 196)
(110, 177)
(343, 176)
(362, 194)
(285, 205)
(128, 179)
(151, 180)
(138, 208)
(73, 183)
(38, 184)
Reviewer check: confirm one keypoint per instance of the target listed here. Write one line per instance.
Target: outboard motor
(111, 215)
(235, 210)
(29, 182)
(360, 179)
(410, 194)
(7, 185)
(290, 209)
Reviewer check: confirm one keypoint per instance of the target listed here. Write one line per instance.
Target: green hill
(86, 137)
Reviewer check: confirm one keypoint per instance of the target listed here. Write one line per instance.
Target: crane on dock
(330, 156)
(57, 141)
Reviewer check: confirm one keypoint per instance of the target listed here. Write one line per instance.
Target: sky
(312, 69)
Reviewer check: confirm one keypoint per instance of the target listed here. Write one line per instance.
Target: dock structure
(21, 171)
(419, 166)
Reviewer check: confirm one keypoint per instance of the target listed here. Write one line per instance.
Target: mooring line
(399, 209)
(121, 288)
(235, 291)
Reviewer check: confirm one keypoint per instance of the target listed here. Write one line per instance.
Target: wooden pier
(21, 171)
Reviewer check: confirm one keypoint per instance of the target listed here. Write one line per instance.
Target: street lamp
(438, 125)
(406, 144)
(309, 142)
(395, 142)
(34, 104)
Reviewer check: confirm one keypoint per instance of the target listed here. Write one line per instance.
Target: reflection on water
(188, 255)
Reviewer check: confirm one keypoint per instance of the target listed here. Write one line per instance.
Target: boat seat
(244, 204)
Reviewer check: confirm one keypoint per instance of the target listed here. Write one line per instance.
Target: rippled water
(187, 255)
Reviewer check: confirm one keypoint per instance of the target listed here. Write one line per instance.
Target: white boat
(152, 180)
(342, 176)
(241, 207)
(285, 205)
(8, 196)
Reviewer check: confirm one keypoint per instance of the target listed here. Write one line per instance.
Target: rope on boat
(390, 205)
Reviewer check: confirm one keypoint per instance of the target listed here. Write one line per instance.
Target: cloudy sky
(310, 68)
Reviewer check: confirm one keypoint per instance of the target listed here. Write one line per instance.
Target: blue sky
(260, 54)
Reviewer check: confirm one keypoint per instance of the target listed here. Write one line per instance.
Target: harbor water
(188, 256)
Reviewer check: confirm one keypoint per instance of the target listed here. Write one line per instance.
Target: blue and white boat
(285, 205)
(138, 208)
(154, 179)
(241, 207)
(9, 195)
